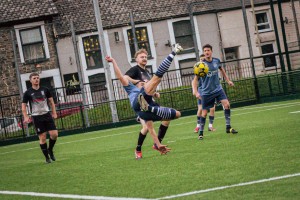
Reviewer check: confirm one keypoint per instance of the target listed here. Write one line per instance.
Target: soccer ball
(200, 69)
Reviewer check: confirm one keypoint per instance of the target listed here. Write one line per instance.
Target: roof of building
(19, 10)
(114, 13)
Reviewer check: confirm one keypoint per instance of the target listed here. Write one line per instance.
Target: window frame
(188, 50)
(131, 44)
(265, 23)
(23, 27)
(268, 54)
(98, 49)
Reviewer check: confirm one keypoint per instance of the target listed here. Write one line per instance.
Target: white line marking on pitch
(67, 196)
(230, 186)
(178, 124)
(295, 112)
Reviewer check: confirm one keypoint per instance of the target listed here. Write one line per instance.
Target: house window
(183, 34)
(267, 51)
(231, 53)
(142, 40)
(263, 22)
(72, 83)
(98, 88)
(92, 52)
(186, 70)
(32, 43)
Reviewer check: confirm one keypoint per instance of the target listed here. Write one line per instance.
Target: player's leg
(150, 86)
(211, 119)
(162, 130)
(199, 112)
(51, 128)
(226, 105)
(43, 145)
(208, 101)
(141, 138)
(202, 123)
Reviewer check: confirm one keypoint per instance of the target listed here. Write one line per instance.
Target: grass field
(261, 162)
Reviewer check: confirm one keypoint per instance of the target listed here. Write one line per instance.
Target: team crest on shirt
(43, 93)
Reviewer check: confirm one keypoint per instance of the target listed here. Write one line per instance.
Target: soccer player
(211, 90)
(139, 75)
(196, 86)
(38, 98)
(141, 100)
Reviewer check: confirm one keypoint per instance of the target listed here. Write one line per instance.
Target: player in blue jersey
(196, 87)
(211, 90)
(139, 75)
(141, 100)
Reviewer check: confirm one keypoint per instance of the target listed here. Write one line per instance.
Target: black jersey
(138, 73)
(38, 100)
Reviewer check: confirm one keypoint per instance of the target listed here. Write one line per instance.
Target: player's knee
(178, 114)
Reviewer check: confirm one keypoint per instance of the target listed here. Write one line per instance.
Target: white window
(263, 21)
(142, 40)
(32, 42)
(267, 51)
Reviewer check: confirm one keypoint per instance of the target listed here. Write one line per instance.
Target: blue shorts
(208, 101)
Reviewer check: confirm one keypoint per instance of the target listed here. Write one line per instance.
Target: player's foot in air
(196, 129)
(48, 160)
(138, 155)
(177, 48)
(51, 155)
(231, 130)
(211, 129)
(143, 103)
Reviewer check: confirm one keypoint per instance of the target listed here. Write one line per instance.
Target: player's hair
(202, 55)
(140, 52)
(33, 74)
(207, 46)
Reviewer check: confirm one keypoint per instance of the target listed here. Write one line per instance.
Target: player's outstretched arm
(124, 81)
(226, 77)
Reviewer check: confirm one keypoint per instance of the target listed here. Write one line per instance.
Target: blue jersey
(210, 83)
(132, 92)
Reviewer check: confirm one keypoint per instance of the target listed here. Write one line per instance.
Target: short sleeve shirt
(38, 100)
(138, 73)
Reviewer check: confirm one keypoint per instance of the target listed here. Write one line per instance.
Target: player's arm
(53, 108)
(24, 112)
(134, 81)
(225, 76)
(124, 81)
(195, 87)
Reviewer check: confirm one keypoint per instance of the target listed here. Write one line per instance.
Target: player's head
(141, 57)
(34, 78)
(202, 56)
(207, 50)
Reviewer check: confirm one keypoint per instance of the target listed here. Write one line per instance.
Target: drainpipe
(296, 22)
(190, 8)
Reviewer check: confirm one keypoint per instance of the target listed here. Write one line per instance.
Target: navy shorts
(208, 101)
(43, 123)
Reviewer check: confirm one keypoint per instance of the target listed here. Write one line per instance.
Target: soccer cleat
(177, 48)
(196, 129)
(231, 130)
(48, 160)
(211, 129)
(51, 155)
(143, 103)
(200, 137)
(138, 155)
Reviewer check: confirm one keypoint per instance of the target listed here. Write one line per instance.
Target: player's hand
(54, 115)
(198, 96)
(109, 59)
(26, 120)
(156, 95)
(230, 83)
(163, 149)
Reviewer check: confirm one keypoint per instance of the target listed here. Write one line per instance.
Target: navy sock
(202, 124)
(227, 118)
(165, 65)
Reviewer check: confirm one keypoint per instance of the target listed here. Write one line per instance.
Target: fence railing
(175, 90)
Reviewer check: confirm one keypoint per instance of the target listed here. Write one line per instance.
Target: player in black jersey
(38, 98)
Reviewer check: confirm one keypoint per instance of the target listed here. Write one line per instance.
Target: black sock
(162, 132)
(140, 142)
(44, 150)
(51, 144)
(227, 118)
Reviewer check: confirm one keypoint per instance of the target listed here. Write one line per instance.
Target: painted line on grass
(177, 124)
(295, 112)
(230, 186)
(66, 196)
